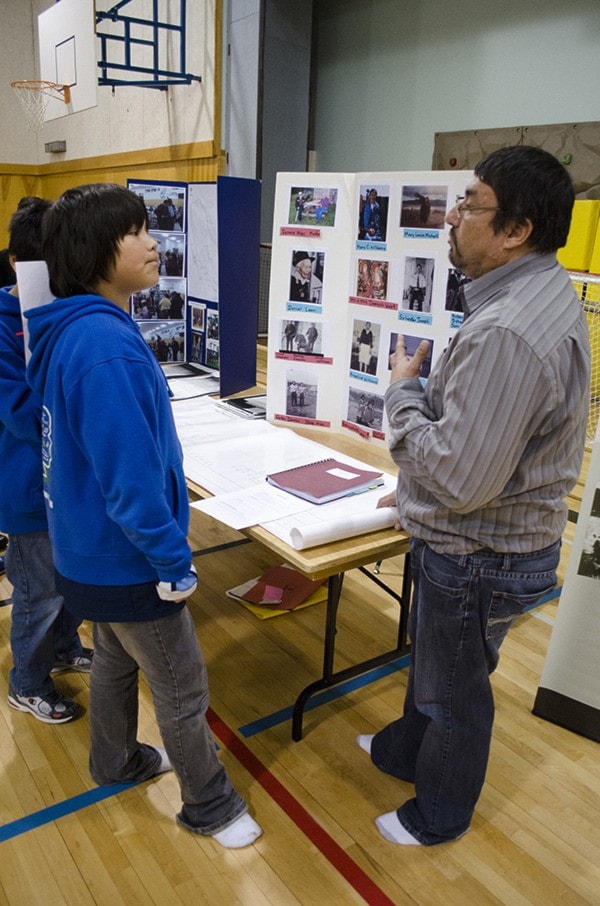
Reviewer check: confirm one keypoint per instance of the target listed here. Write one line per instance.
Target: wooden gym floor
(535, 837)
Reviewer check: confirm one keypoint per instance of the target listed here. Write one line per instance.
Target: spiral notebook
(325, 480)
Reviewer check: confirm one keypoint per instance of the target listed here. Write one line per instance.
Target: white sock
(165, 764)
(389, 827)
(241, 832)
(365, 742)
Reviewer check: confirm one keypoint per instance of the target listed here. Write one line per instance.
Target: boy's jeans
(462, 609)
(168, 654)
(42, 631)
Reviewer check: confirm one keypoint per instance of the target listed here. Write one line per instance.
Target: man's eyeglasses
(464, 208)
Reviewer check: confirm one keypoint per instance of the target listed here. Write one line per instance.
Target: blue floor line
(74, 804)
(100, 793)
(327, 695)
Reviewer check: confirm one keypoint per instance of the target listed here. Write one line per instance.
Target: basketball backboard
(68, 54)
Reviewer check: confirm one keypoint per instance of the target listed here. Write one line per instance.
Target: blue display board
(204, 310)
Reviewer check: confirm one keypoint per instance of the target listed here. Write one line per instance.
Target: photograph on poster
(165, 301)
(418, 283)
(365, 409)
(373, 208)
(198, 315)
(165, 205)
(196, 348)
(589, 562)
(301, 338)
(372, 279)
(423, 207)
(306, 276)
(166, 339)
(212, 325)
(212, 353)
(301, 393)
(364, 353)
(456, 280)
(410, 345)
(171, 251)
(312, 206)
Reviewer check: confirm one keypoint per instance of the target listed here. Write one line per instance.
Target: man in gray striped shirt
(486, 454)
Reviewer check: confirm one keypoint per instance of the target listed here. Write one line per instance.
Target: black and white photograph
(365, 409)
(410, 344)
(456, 280)
(301, 337)
(373, 207)
(418, 283)
(312, 206)
(300, 393)
(589, 561)
(306, 277)
(364, 354)
(198, 315)
(165, 205)
(423, 207)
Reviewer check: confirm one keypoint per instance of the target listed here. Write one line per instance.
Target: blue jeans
(462, 609)
(168, 654)
(42, 630)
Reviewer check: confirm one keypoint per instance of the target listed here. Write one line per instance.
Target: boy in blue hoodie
(43, 635)
(118, 505)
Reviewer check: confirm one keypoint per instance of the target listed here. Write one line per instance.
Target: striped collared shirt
(489, 449)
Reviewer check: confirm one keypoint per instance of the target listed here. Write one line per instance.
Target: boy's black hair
(81, 235)
(25, 229)
(530, 184)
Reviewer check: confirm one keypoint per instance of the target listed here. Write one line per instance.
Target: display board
(569, 691)
(357, 259)
(204, 309)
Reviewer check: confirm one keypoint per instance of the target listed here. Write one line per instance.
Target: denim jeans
(168, 654)
(42, 630)
(462, 609)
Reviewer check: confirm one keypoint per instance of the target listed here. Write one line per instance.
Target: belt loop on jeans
(506, 561)
(463, 560)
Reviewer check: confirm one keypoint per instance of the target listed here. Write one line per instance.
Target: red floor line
(332, 851)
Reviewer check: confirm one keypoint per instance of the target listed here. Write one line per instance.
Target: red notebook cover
(325, 480)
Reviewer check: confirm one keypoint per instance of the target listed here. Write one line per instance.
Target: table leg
(329, 677)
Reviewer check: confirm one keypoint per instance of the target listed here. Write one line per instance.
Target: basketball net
(34, 96)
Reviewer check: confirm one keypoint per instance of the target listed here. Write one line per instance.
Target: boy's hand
(178, 591)
(404, 366)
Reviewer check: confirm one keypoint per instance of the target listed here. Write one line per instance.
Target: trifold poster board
(569, 690)
(357, 259)
(204, 309)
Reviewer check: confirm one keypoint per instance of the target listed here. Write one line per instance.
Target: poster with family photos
(358, 260)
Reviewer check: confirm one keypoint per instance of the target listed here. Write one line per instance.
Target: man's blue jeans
(42, 630)
(462, 609)
(168, 654)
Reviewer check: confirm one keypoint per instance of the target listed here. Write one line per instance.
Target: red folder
(325, 480)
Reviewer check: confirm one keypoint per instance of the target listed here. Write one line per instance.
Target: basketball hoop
(34, 95)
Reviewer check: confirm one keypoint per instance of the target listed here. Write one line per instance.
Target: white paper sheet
(344, 518)
(238, 508)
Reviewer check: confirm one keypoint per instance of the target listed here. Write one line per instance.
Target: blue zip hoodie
(22, 507)
(116, 495)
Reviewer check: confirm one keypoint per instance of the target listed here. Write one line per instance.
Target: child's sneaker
(52, 708)
(82, 663)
